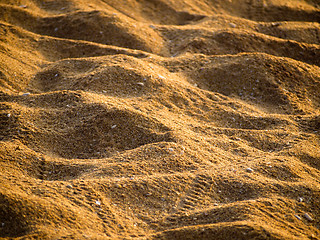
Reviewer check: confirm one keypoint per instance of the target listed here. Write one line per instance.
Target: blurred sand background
(159, 119)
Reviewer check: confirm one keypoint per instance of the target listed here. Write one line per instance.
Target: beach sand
(160, 119)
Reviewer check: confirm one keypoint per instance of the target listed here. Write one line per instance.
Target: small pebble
(299, 218)
(275, 24)
(26, 94)
(175, 54)
(232, 25)
(140, 83)
(152, 26)
(23, 6)
(2, 224)
(308, 217)
(300, 199)
(249, 170)
(160, 76)
(69, 186)
(98, 202)
(8, 115)
(113, 126)
(171, 149)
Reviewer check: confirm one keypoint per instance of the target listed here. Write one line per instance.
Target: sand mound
(159, 119)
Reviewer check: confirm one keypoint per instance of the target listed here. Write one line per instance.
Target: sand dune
(160, 119)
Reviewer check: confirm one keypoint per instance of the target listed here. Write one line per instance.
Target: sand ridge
(138, 119)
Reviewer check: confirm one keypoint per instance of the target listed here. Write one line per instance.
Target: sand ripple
(159, 119)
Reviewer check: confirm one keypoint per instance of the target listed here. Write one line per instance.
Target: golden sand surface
(160, 119)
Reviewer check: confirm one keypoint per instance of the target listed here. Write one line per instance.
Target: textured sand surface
(160, 119)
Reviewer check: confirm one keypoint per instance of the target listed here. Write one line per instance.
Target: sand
(160, 119)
